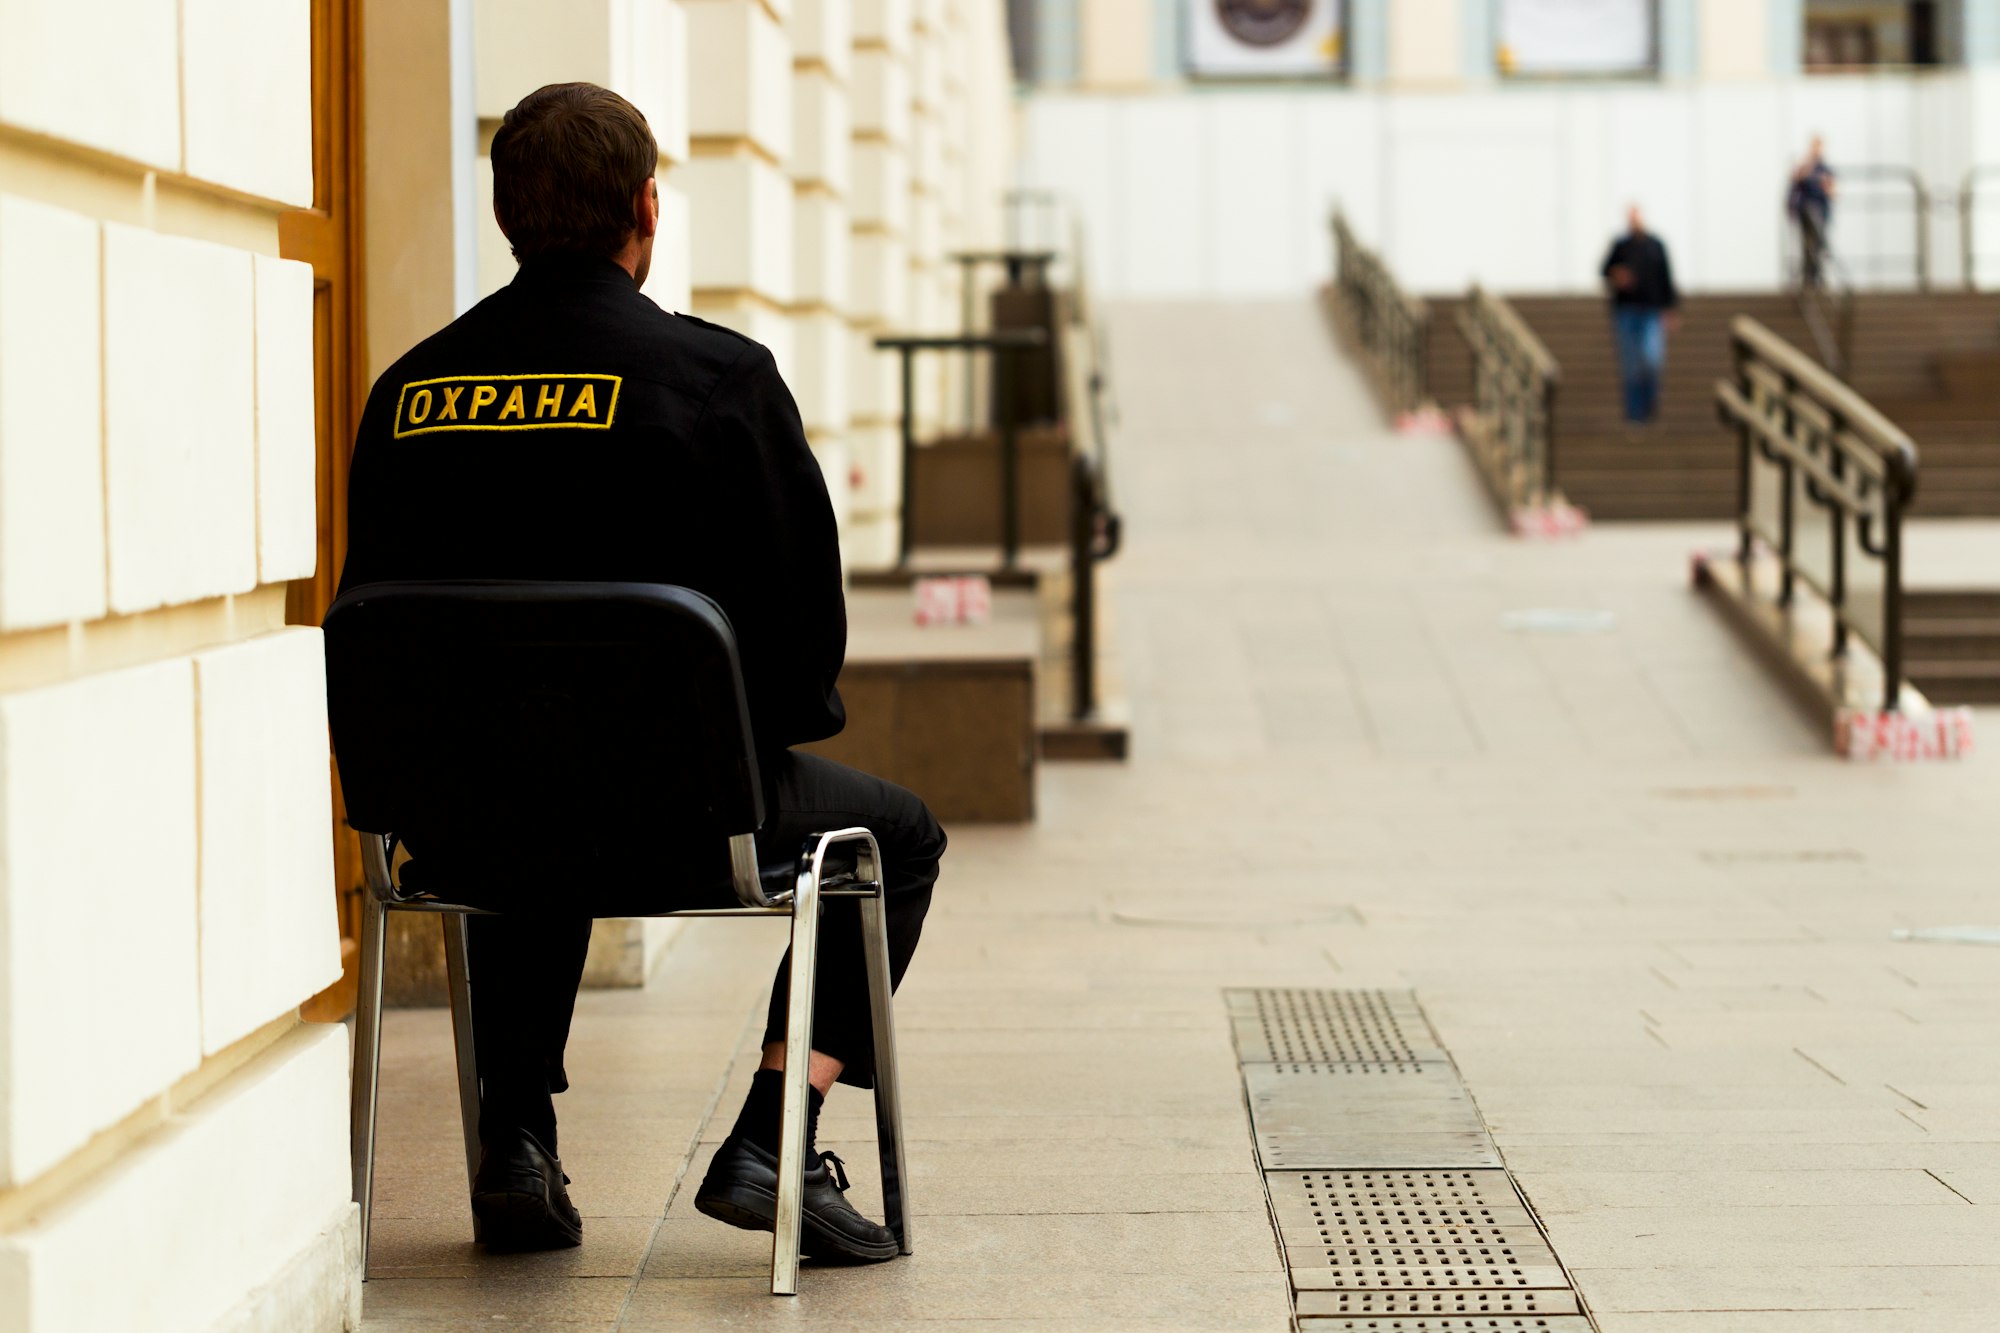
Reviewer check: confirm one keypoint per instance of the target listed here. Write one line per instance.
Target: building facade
(218, 220)
(1502, 140)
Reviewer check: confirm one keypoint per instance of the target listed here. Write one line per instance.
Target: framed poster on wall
(1543, 38)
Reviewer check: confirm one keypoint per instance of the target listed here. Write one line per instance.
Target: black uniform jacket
(1644, 258)
(567, 428)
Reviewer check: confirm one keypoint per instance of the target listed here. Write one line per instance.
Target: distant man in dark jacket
(567, 428)
(1810, 202)
(1643, 304)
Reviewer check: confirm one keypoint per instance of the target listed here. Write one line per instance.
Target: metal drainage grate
(1360, 1027)
(1453, 1323)
(1315, 1116)
(1372, 1304)
(1404, 1204)
(1390, 1198)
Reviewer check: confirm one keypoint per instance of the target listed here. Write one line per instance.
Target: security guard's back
(566, 428)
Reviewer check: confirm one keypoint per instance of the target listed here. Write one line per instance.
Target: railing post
(1745, 519)
(1837, 570)
(1892, 598)
(1010, 460)
(905, 542)
(1083, 592)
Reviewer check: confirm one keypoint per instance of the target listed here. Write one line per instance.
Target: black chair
(580, 749)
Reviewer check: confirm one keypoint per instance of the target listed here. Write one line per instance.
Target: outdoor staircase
(1951, 644)
(1930, 362)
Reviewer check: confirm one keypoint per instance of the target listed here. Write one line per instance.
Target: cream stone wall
(165, 852)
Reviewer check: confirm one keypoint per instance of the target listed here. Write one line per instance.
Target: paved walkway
(1647, 912)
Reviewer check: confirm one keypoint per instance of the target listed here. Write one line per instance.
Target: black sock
(762, 1116)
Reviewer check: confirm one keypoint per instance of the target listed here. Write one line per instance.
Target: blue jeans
(1642, 358)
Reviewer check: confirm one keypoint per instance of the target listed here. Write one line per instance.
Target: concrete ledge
(319, 1291)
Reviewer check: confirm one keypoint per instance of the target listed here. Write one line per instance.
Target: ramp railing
(1823, 483)
(1391, 326)
(1514, 384)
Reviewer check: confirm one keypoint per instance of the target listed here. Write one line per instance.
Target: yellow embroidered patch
(507, 402)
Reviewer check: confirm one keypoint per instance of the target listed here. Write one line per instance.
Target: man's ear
(646, 213)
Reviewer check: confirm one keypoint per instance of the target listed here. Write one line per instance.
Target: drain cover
(1391, 1202)
(1453, 1323)
(1344, 1201)
(1369, 1304)
(1310, 1115)
(1331, 1027)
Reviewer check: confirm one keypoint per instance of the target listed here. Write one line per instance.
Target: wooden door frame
(329, 237)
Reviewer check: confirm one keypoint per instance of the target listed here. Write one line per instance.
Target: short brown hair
(568, 161)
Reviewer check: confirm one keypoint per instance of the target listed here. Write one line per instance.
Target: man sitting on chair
(567, 428)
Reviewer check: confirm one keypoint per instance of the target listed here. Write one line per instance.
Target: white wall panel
(287, 449)
(269, 937)
(97, 879)
(179, 419)
(1227, 194)
(247, 96)
(199, 1214)
(51, 428)
(1163, 245)
(103, 74)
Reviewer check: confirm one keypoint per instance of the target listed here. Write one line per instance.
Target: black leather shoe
(519, 1199)
(741, 1188)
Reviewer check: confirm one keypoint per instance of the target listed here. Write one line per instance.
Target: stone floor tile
(491, 1301)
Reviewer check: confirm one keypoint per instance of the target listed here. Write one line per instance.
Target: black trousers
(531, 965)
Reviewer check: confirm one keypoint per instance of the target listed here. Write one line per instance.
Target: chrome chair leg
(798, 1066)
(888, 1095)
(458, 987)
(367, 1062)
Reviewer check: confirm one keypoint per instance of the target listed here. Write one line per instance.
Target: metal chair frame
(802, 903)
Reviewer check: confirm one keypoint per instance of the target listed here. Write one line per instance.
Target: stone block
(927, 245)
(927, 140)
(823, 32)
(650, 67)
(819, 382)
(880, 90)
(741, 233)
(881, 279)
(105, 75)
(637, 48)
(287, 449)
(225, 1198)
(874, 379)
(880, 195)
(179, 419)
(927, 60)
(668, 282)
(739, 75)
(821, 129)
(269, 937)
(883, 23)
(246, 93)
(97, 881)
(876, 456)
(820, 250)
(51, 425)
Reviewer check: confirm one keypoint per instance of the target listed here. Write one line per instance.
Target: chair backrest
(514, 731)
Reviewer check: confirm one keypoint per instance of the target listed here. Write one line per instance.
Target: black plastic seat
(577, 749)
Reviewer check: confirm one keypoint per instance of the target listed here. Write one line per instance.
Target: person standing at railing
(1810, 203)
(1643, 304)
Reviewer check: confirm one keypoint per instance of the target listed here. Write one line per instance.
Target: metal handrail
(1807, 438)
(1921, 205)
(1006, 345)
(1828, 308)
(1968, 221)
(1392, 327)
(1514, 383)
